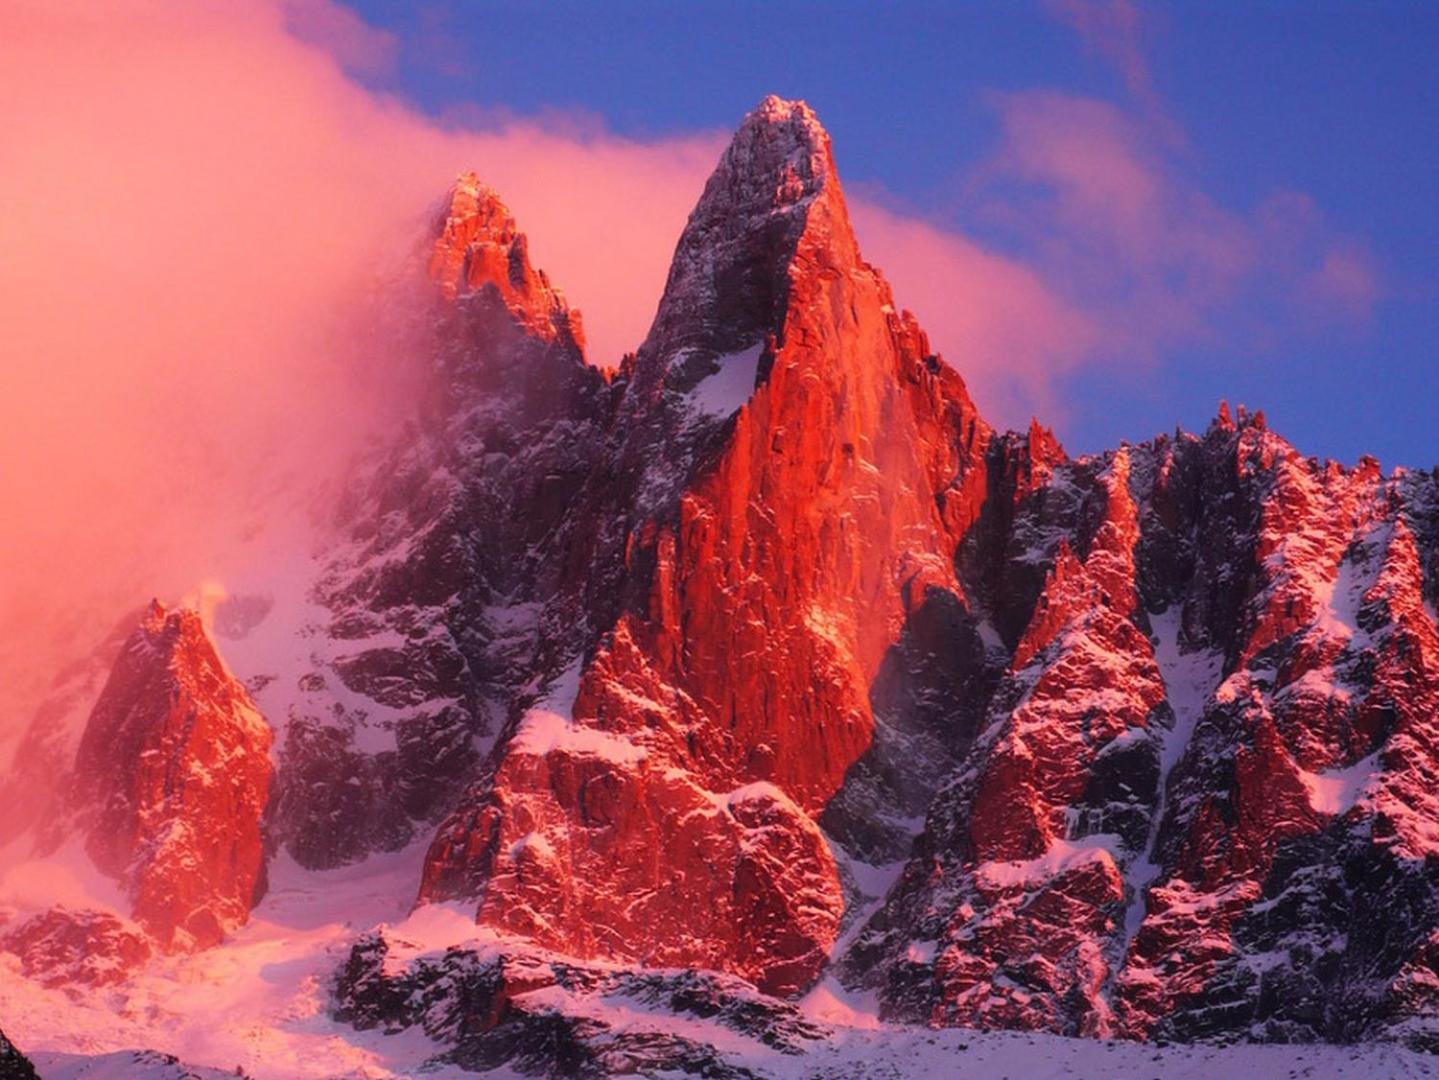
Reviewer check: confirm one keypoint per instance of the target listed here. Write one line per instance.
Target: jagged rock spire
(776, 428)
(479, 247)
(172, 777)
(730, 277)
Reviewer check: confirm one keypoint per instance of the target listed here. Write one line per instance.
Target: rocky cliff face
(1107, 708)
(457, 573)
(801, 470)
(164, 793)
(1200, 808)
(1296, 865)
(171, 779)
(765, 655)
(1021, 869)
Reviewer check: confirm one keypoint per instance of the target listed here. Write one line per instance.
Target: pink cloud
(194, 198)
(1111, 222)
(1089, 154)
(358, 47)
(1346, 279)
(1111, 219)
(195, 194)
(993, 318)
(1115, 30)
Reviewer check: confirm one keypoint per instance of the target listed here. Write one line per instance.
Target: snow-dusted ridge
(757, 710)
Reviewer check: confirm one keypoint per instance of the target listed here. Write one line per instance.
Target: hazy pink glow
(197, 195)
(1116, 30)
(1346, 278)
(195, 201)
(1150, 257)
(358, 47)
(1007, 331)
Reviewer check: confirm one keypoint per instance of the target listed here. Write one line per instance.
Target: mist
(202, 212)
(204, 207)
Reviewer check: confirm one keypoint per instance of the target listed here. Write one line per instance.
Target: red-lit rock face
(1008, 914)
(61, 947)
(1123, 679)
(683, 661)
(807, 472)
(479, 247)
(171, 779)
(1307, 800)
(1201, 806)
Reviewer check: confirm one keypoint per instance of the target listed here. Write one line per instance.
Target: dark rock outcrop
(13, 1064)
(458, 575)
(545, 1016)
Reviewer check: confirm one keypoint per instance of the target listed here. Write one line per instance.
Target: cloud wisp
(198, 199)
(199, 195)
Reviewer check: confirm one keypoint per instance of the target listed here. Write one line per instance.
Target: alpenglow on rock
(764, 656)
(171, 779)
(774, 553)
(842, 597)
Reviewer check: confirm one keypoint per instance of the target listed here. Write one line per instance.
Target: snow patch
(259, 1000)
(549, 725)
(1062, 855)
(125, 1065)
(990, 636)
(831, 1003)
(730, 386)
(921, 952)
(1341, 599)
(434, 928)
(1191, 680)
(1335, 791)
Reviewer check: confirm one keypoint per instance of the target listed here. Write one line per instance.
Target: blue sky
(1239, 108)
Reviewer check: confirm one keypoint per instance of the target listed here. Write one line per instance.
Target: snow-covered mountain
(754, 709)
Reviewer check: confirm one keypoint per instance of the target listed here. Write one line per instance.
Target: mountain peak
(782, 149)
(155, 616)
(172, 775)
(779, 110)
(167, 631)
(479, 248)
(774, 192)
(778, 161)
